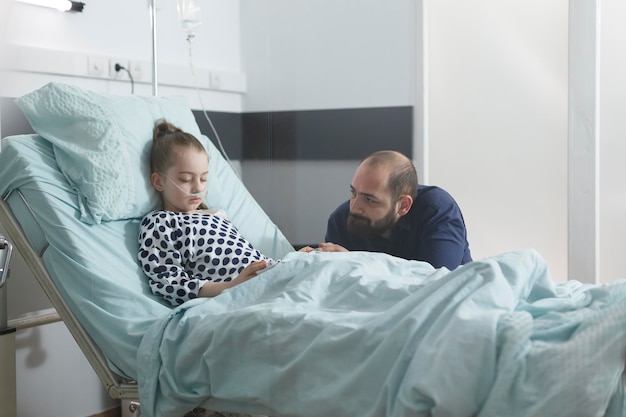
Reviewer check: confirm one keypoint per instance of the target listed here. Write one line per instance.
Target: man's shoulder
(336, 229)
(432, 193)
(343, 209)
(431, 199)
(433, 202)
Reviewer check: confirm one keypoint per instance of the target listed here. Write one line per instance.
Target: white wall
(498, 113)
(328, 54)
(121, 30)
(53, 378)
(497, 97)
(612, 143)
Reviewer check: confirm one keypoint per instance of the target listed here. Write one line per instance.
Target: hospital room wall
(498, 126)
(612, 170)
(53, 377)
(496, 117)
(50, 46)
(327, 56)
(498, 121)
(496, 112)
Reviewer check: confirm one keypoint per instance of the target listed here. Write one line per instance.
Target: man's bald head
(402, 176)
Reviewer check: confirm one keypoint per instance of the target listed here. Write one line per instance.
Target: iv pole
(154, 47)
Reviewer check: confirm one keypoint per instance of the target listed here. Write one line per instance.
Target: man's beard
(364, 227)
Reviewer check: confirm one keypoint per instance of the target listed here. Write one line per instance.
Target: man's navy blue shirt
(432, 231)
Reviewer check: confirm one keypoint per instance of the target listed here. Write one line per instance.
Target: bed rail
(4, 267)
(117, 386)
(7, 248)
(27, 322)
(8, 391)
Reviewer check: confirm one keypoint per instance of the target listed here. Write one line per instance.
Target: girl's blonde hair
(167, 139)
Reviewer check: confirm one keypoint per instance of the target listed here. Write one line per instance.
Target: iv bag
(189, 16)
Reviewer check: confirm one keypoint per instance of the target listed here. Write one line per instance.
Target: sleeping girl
(185, 249)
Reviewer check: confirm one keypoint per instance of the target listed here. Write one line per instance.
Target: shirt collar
(403, 223)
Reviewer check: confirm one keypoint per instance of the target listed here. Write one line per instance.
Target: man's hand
(331, 247)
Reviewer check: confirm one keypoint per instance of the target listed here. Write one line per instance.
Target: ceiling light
(62, 5)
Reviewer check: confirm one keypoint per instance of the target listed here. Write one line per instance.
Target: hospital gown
(179, 252)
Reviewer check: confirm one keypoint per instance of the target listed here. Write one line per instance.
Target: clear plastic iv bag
(189, 16)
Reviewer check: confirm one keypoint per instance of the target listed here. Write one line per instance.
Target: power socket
(121, 74)
(96, 66)
(140, 70)
(215, 80)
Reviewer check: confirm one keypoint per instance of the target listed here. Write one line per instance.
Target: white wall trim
(420, 86)
(31, 59)
(583, 166)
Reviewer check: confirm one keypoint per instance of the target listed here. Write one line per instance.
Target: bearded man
(389, 212)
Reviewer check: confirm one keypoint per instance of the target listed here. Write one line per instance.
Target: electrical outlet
(215, 81)
(140, 70)
(121, 74)
(96, 66)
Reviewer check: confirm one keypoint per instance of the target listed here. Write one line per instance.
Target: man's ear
(404, 204)
(157, 181)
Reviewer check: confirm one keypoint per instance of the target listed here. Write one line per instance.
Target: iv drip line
(189, 16)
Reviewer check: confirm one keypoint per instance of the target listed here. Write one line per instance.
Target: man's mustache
(358, 217)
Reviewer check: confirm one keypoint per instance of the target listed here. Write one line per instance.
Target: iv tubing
(154, 47)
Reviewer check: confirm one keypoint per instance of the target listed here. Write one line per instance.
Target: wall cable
(119, 68)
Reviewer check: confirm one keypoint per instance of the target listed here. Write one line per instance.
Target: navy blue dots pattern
(179, 252)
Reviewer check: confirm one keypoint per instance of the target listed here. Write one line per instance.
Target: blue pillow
(102, 144)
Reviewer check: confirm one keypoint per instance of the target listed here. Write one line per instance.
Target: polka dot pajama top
(179, 252)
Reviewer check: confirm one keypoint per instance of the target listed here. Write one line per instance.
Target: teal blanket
(328, 335)
(364, 334)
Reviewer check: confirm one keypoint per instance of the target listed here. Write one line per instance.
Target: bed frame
(7, 338)
(117, 386)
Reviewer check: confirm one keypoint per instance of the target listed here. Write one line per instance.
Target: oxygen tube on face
(198, 194)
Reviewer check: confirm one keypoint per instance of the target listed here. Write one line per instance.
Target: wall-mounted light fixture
(62, 5)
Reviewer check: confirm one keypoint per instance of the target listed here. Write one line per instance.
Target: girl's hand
(250, 271)
(211, 289)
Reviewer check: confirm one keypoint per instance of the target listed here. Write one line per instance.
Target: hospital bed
(321, 334)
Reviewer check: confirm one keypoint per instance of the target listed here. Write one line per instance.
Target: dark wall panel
(339, 134)
(336, 134)
(228, 127)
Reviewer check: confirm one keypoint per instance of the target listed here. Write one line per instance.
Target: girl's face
(184, 179)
